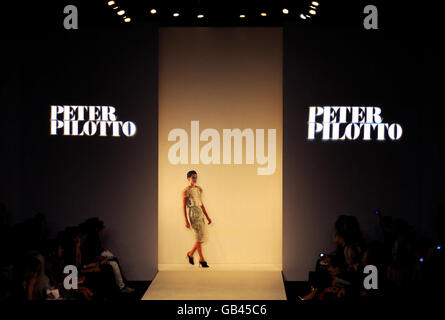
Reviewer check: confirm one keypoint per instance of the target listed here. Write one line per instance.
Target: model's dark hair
(191, 173)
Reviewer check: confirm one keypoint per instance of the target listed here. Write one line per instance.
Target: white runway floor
(218, 282)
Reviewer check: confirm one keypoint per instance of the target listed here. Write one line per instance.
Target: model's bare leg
(192, 252)
(201, 257)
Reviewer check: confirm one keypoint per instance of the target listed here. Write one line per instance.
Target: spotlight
(421, 259)
(263, 14)
(312, 7)
(200, 16)
(321, 254)
(110, 3)
(121, 12)
(175, 14)
(315, 3)
(242, 16)
(285, 11)
(127, 19)
(312, 12)
(153, 11)
(439, 247)
(302, 16)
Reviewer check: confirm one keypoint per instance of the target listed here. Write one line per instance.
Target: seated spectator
(341, 275)
(93, 251)
(35, 281)
(32, 267)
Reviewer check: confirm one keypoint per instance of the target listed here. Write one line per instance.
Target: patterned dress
(195, 214)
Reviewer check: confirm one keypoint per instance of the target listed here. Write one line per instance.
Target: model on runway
(191, 198)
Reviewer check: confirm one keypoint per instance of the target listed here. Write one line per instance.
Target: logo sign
(71, 280)
(89, 121)
(211, 152)
(371, 280)
(350, 123)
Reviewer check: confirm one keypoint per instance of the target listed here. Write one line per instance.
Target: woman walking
(191, 198)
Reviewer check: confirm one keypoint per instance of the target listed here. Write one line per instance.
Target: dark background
(70, 178)
(324, 179)
(332, 61)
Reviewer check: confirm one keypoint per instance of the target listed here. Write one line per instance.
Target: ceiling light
(175, 14)
(153, 11)
(110, 3)
(121, 12)
(285, 11)
(263, 14)
(302, 16)
(127, 19)
(315, 3)
(312, 12)
(200, 16)
(242, 15)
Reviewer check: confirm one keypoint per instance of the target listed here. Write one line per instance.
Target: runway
(218, 282)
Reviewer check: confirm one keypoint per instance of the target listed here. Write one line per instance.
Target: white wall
(226, 78)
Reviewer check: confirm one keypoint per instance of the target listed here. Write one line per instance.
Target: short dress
(195, 213)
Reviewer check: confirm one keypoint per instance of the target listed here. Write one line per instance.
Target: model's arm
(184, 207)
(205, 212)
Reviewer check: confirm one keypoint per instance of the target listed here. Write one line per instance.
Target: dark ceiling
(329, 13)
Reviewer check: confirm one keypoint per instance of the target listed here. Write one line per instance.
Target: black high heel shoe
(203, 264)
(190, 259)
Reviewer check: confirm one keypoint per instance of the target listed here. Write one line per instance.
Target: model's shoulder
(199, 188)
(186, 191)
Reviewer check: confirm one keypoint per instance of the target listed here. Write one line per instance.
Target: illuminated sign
(350, 123)
(89, 121)
(210, 152)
